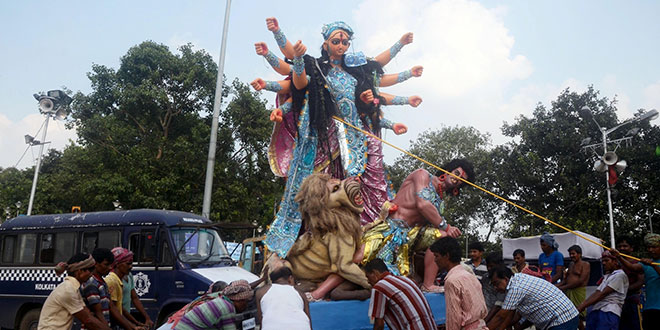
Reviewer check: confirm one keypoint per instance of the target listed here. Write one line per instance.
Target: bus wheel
(30, 320)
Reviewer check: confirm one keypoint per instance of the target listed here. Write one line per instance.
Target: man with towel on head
(65, 301)
(551, 261)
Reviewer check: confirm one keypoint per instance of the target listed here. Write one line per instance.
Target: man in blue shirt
(551, 261)
(651, 312)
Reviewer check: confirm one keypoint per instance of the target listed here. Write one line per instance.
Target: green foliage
(143, 136)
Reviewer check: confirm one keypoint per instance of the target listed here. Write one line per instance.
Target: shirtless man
(414, 220)
(575, 283)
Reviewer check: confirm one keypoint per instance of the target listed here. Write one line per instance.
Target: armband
(395, 49)
(286, 107)
(273, 60)
(386, 123)
(273, 86)
(403, 76)
(280, 38)
(298, 65)
(400, 100)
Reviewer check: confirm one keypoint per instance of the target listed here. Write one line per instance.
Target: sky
(485, 62)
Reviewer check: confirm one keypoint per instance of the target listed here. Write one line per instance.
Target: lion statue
(322, 259)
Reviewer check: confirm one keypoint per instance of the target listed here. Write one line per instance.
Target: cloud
(467, 56)
(651, 95)
(12, 142)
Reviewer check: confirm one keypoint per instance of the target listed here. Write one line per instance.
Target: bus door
(143, 242)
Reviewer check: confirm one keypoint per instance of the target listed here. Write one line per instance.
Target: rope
(480, 188)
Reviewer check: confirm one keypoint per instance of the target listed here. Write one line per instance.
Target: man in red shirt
(396, 300)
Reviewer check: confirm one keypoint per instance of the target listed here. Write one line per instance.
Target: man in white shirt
(608, 298)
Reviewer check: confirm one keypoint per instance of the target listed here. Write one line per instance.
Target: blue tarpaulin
(352, 314)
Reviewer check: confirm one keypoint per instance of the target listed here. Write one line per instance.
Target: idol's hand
(261, 48)
(367, 96)
(299, 49)
(258, 84)
(276, 115)
(399, 128)
(407, 38)
(272, 25)
(453, 231)
(414, 101)
(417, 70)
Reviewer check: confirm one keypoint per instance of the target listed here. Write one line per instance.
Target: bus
(177, 255)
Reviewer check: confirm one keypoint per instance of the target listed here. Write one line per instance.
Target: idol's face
(337, 44)
(452, 182)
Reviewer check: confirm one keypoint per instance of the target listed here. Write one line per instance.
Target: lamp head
(585, 112)
(28, 139)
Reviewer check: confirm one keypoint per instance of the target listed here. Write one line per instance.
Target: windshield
(197, 245)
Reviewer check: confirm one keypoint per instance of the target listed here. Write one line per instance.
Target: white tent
(531, 245)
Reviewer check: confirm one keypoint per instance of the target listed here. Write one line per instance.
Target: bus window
(166, 259)
(108, 239)
(144, 247)
(8, 249)
(56, 247)
(27, 247)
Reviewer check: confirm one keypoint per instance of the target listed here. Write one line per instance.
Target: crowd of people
(481, 293)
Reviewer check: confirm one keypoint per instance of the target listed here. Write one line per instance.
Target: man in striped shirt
(219, 313)
(536, 299)
(396, 300)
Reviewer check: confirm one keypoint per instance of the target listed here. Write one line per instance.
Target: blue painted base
(352, 314)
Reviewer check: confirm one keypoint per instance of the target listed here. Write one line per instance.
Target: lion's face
(345, 193)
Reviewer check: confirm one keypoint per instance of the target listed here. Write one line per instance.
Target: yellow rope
(480, 188)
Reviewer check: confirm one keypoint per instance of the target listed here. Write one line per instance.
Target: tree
(544, 170)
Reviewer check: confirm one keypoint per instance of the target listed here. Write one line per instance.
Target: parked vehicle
(177, 256)
(252, 258)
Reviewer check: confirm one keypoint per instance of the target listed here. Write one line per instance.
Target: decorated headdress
(327, 29)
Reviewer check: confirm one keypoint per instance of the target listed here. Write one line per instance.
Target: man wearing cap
(120, 268)
(609, 296)
(65, 301)
(651, 270)
(220, 312)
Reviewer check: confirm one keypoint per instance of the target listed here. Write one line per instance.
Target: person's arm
(559, 264)
(90, 322)
(379, 324)
(501, 320)
(386, 56)
(264, 276)
(626, 264)
(97, 311)
(413, 101)
(275, 62)
(649, 263)
(120, 319)
(306, 306)
(594, 298)
(492, 313)
(299, 75)
(637, 284)
(257, 296)
(280, 38)
(395, 78)
(138, 305)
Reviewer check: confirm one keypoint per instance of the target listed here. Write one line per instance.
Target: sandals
(433, 289)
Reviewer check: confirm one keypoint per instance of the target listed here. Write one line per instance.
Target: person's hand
(258, 84)
(406, 38)
(417, 70)
(615, 253)
(261, 48)
(299, 49)
(272, 25)
(276, 115)
(414, 101)
(367, 96)
(399, 128)
(646, 261)
(453, 231)
(264, 276)
(149, 323)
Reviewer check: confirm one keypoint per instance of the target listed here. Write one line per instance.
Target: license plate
(249, 324)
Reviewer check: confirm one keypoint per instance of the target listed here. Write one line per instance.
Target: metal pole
(210, 164)
(36, 169)
(650, 223)
(609, 191)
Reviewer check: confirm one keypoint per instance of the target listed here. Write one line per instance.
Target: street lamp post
(610, 158)
(53, 105)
